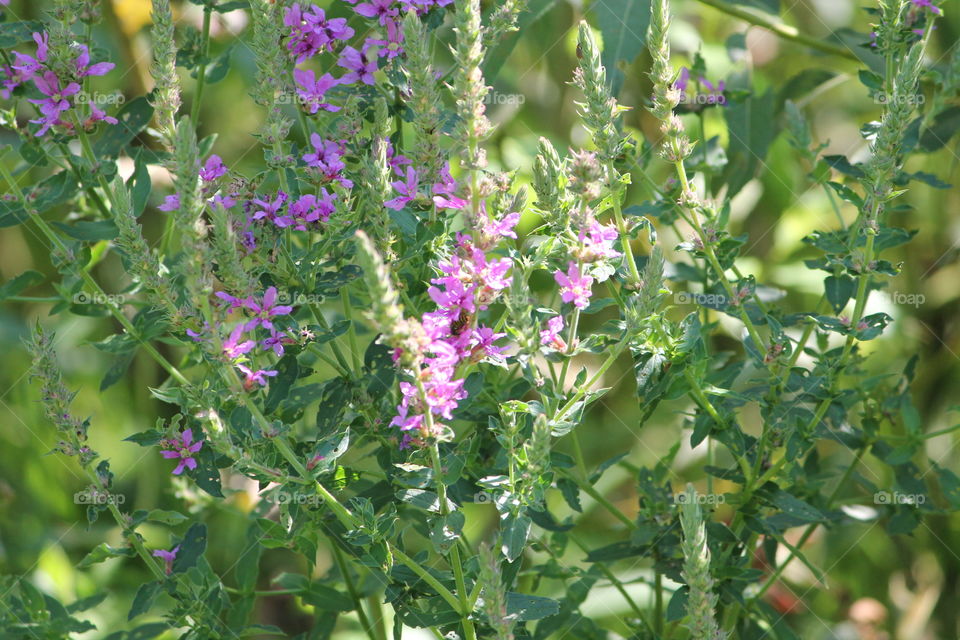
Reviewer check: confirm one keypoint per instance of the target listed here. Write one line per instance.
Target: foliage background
(43, 534)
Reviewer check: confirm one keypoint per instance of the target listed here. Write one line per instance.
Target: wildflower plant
(396, 346)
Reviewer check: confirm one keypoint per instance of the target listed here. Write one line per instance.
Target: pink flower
(266, 310)
(407, 191)
(551, 335)
(313, 90)
(182, 448)
(503, 228)
(252, 377)
(383, 10)
(359, 65)
(213, 168)
(233, 348)
(84, 68)
(326, 157)
(574, 287)
(445, 190)
(597, 242)
(167, 556)
(170, 203)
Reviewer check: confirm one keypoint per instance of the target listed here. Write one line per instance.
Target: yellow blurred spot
(132, 14)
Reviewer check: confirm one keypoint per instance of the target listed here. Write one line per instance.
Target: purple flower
(574, 287)
(266, 309)
(252, 377)
(326, 157)
(714, 94)
(313, 90)
(182, 448)
(681, 83)
(407, 191)
(233, 348)
(56, 101)
(213, 168)
(233, 303)
(482, 343)
(392, 46)
(503, 228)
(360, 66)
(444, 190)
(551, 335)
(268, 210)
(84, 68)
(920, 4)
(383, 10)
(98, 115)
(311, 32)
(596, 242)
(167, 556)
(170, 203)
(396, 161)
(274, 342)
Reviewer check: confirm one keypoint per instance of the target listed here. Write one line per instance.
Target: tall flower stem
(202, 70)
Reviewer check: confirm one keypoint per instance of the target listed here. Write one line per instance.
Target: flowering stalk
(166, 102)
(701, 600)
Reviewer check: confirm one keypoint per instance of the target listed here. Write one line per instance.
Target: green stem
(352, 590)
(202, 71)
(782, 30)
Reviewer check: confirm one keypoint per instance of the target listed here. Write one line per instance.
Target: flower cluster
(58, 106)
(243, 337)
(470, 281)
(310, 33)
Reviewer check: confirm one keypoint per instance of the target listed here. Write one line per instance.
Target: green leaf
(139, 184)
(751, 130)
(166, 517)
(55, 190)
(839, 290)
(117, 370)
(19, 283)
(89, 231)
(102, 552)
(944, 126)
(526, 607)
(623, 24)
(14, 33)
(142, 602)
(191, 548)
(514, 533)
(132, 118)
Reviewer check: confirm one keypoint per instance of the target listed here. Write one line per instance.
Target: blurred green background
(43, 534)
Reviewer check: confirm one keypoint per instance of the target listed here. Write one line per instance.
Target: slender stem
(352, 331)
(352, 590)
(782, 30)
(202, 70)
(589, 489)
